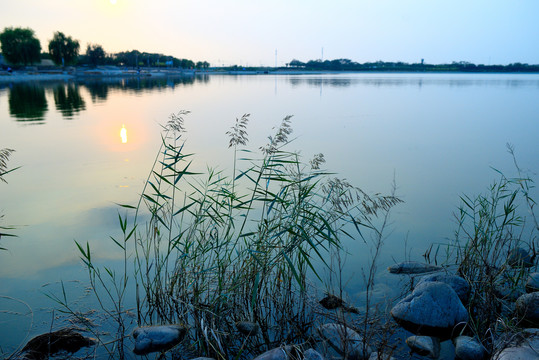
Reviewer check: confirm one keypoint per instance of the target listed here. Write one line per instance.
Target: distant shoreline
(58, 75)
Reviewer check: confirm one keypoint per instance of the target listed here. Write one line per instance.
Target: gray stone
(520, 258)
(280, 353)
(344, 340)
(516, 353)
(432, 309)
(150, 339)
(412, 267)
(312, 354)
(467, 348)
(461, 286)
(532, 284)
(529, 338)
(424, 345)
(247, 328)
(527, 309)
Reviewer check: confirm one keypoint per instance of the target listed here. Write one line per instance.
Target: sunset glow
(280, 31)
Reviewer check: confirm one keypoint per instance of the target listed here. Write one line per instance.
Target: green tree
(20, 46)
(63, 49)
(95, 54)
(187, 64)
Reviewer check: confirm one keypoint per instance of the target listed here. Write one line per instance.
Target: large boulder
(519, 346)
(467, 348)
(150, 339)
(432, 309)
(461, 286)
(345, 341)
(412, 267)
(516, 353)
(527, 309)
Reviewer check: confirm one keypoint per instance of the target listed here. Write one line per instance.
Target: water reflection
(27, 102)
(123, 134)
(451, 80)
(68, 100)
(99, 90)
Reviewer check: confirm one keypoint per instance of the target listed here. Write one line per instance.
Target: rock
(424, 346)
(280, 353)
(432, 309)
(41, 346)
(378, 356)
(461, 286)
(520, 258)
(203, 358)
(516, 353)
(247, 328)
(527, 309)
(530, 338)
(332, 302)
(467, 348)
(412, 267)
(150, 339)
(523, 345)
(532, 284)
(312, 354)
(344, 340)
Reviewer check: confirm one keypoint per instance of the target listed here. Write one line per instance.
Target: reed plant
(214, 251)
(490, 227)
(4, 157)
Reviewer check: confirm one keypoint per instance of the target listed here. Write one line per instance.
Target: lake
(437, 135)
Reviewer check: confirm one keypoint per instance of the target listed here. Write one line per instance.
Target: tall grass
(4, 157)
(489, 227)
(216, 250)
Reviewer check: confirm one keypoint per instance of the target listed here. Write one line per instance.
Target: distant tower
(276, 58)
(322, 58)
(422, 61)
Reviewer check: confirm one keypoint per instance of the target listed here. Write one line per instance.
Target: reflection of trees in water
(317, 82)
(27, 102)
(68, 100)
(100, 88)
(419, 81)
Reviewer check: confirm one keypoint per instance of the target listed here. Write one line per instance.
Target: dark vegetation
(461, 66)
(21, 47)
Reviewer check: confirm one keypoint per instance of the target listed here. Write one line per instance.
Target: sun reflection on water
(123, 134)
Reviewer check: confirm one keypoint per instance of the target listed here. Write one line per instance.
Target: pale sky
(249, 32)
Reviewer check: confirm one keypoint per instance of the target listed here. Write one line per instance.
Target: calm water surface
(437, 135)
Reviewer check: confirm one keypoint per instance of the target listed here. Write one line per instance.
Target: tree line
(461, 66)
(20, 46)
